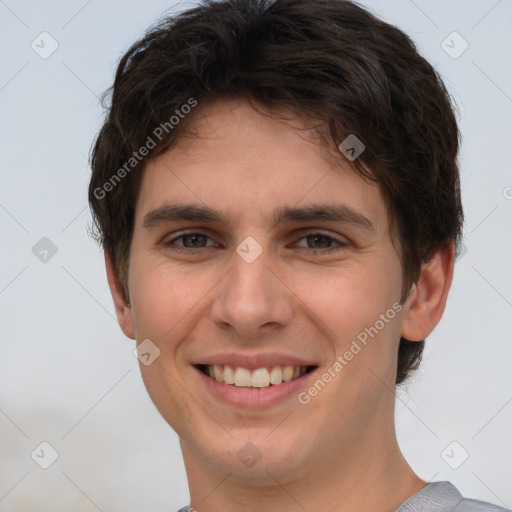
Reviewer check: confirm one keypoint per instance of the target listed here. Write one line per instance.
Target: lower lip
(253, 398)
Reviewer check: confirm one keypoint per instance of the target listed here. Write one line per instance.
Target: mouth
(257, 378)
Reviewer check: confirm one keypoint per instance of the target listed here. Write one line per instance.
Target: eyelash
(328, 250)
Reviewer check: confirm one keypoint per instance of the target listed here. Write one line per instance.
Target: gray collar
(434, 497)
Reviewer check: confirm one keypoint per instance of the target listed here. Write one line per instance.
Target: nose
(253, 299)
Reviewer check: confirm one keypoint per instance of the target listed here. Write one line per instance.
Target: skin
(339, 452)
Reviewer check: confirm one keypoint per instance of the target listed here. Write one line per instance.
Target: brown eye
(320, 243)
(194, 240)
(189, 242)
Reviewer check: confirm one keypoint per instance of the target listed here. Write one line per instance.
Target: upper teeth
(258, 378)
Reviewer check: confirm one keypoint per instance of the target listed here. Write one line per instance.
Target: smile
(263, 377)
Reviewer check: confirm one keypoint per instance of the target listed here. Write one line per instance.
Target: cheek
(351, 298)
(160, 300)
(168, 300)
(359, 314)
(165, 302)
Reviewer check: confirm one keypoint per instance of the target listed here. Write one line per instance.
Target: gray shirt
(437, 497)
(444, 497)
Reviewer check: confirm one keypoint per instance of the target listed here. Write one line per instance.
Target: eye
(322, 243)
(191, 241)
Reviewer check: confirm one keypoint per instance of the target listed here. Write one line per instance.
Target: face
(257, 280)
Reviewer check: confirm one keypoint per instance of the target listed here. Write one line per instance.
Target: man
(277, 193)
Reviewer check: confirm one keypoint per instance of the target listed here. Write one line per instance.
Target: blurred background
(68, 377)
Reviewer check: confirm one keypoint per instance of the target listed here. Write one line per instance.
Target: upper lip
(254, 361)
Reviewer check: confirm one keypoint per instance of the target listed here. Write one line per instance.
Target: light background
(67, 373)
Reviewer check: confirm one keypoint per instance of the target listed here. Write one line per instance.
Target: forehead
(245, 163)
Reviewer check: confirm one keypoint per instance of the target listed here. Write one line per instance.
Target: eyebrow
(308, 213)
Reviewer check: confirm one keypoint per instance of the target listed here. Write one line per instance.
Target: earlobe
(427, 299)
(123, 310)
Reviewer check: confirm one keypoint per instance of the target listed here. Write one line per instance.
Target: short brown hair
(329, 60)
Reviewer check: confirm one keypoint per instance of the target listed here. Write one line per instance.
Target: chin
(257, 455)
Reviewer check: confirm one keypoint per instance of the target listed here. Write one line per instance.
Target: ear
(425, 304)
(123, 310)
